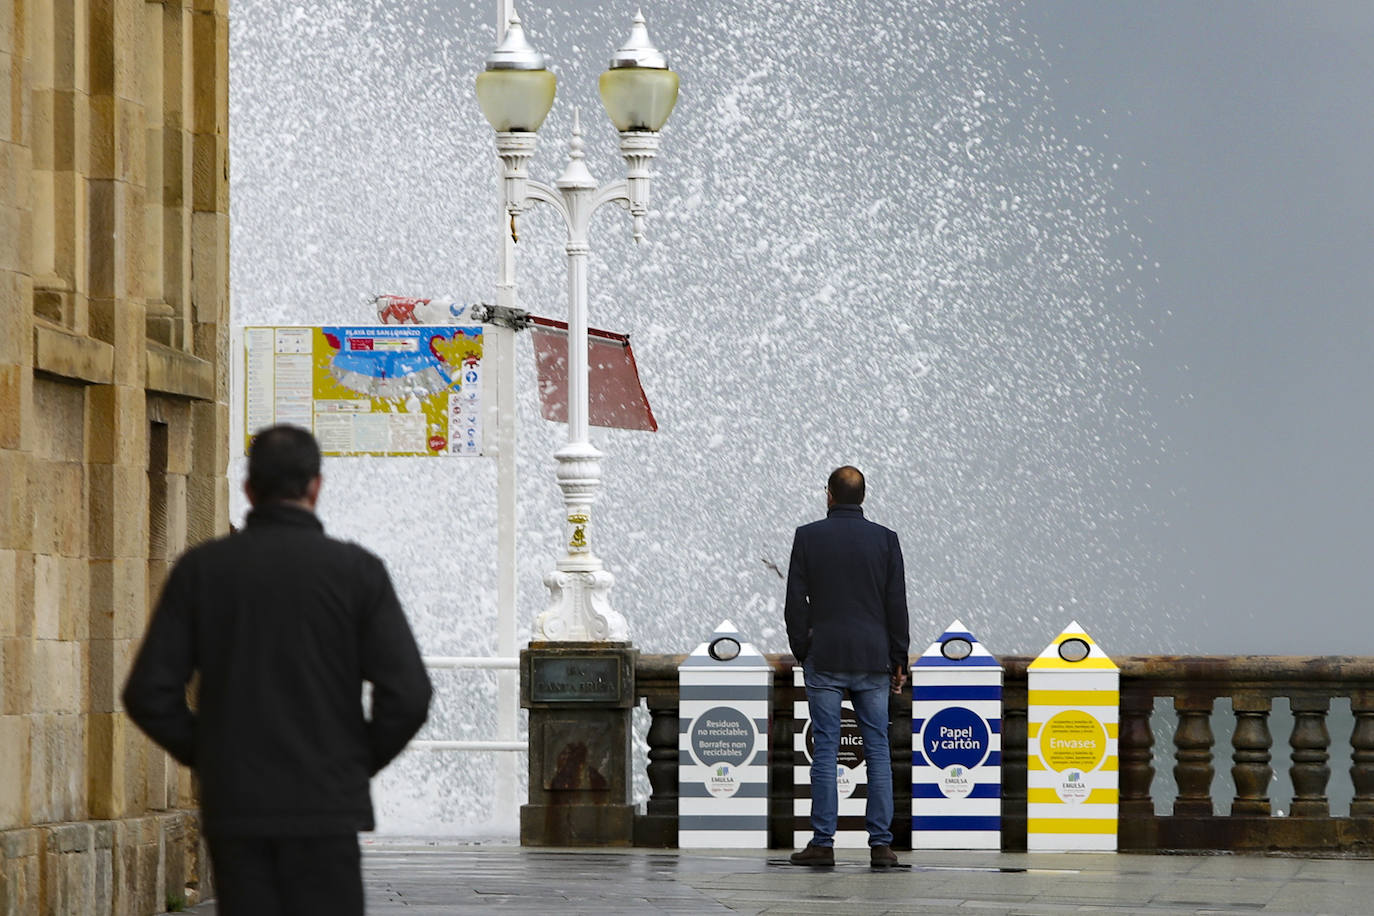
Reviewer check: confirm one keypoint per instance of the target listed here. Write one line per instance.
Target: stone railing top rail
(1303, 670)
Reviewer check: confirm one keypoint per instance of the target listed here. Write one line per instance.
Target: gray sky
(1245, 131)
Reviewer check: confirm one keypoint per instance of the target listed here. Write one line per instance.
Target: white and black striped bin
(724, 709)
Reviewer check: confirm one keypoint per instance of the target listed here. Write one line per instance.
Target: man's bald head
(846, 486)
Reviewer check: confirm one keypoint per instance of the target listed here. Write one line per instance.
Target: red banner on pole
(617, 399)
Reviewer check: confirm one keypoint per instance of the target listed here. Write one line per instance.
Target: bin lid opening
(1074, 649)
(956, 648)
(724, 648)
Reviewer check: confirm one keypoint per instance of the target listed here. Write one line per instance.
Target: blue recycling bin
(956, 745)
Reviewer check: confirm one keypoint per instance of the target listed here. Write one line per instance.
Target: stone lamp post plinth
(580, 696)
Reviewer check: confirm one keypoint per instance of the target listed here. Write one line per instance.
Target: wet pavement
(427, 878)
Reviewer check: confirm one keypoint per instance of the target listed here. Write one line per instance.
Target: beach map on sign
(392, 390)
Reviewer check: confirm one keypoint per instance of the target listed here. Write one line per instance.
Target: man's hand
(898, 680)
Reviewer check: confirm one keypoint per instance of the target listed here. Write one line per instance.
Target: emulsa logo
(955, 782)
(1072, 788)
(722, 783)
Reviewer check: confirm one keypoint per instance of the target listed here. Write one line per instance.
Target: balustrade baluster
(780, 760)
(899, 745)
(1136, 821)
(1135, 751)
(1014, 745)
(663, 754)
(1362, 754)
(1310, 742)
(1193, 770)
(1251, 742)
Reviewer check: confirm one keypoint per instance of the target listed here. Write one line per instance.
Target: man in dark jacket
(847, 626)
(283, 625)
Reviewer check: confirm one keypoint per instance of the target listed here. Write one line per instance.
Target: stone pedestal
(580, 696)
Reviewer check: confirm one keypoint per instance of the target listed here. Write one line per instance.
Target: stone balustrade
(1252, 684)
(1190, 687)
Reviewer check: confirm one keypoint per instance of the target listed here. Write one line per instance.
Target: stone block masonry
(114, 386)
(132, 866)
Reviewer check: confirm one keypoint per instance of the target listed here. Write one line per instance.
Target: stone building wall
(114, 242)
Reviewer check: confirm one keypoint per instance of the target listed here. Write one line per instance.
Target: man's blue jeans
(869, 693)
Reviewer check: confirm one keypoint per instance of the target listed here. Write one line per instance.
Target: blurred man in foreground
(283, 625)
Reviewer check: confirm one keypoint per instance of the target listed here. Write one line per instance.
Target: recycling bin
(1072, 774)
(724, 708)
(956, 742)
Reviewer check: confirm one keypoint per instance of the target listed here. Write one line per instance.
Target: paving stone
(428, 878)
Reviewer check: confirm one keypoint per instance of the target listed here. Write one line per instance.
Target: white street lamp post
(515, 92)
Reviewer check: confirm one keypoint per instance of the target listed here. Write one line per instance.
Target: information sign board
(390, 390)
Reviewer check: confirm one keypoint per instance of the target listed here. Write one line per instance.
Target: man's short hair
(281, 463)
(846, 486)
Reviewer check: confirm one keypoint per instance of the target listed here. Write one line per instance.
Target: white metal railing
(430, 744)
(507, 717)
(465, 662)
(470, 661)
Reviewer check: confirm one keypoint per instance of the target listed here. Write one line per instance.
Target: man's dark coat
(283, 625)
(846, 595)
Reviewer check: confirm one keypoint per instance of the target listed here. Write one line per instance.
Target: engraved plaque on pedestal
(575, 679)
(575, 675)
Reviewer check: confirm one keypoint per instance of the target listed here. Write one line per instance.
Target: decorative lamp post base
(579, 585)
(580, 604)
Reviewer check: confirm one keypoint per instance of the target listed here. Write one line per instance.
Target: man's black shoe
(815, 856)
(882, 857)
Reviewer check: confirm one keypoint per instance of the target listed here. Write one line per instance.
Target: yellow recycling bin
(1073, 699)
